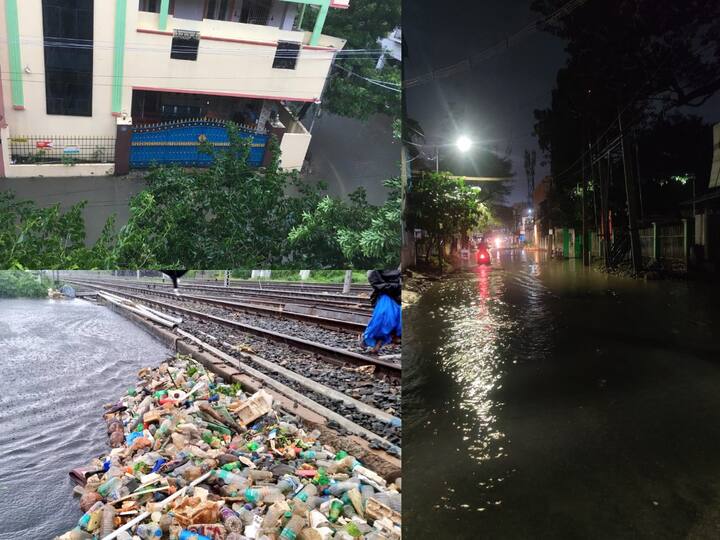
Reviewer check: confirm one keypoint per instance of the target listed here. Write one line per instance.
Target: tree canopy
(348, 92)
(444, 207)
(229, 215)
(637, 60)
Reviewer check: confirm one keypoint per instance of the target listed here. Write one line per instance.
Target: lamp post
(463, 144)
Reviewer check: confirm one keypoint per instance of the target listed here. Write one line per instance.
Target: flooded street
(61, 361)
(546, 400)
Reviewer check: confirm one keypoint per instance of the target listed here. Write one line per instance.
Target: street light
(463, 144)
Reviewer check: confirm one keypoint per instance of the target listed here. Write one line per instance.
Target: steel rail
(356, 304)
(325, 351)
(351, 326)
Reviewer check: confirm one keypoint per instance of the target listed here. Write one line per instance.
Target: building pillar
(686, 231)
(278, 131)
(4, 139)
(320, 22)
(655, 244)
(4, 150)
(13, 41)
(119, 56)
(164, 9)
(123, 139)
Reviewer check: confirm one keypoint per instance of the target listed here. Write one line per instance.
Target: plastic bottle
(338, 488)
(163, 431)
(231, 520)
(315, 454)
(274, 513)
(349, 511)
(88, 519)
(257, 475)
(353, 530)
(336, 508)
(149, 531)
(264, 494)
(308, 491)
(189, 535)
(370, 475)
(288, 483)
(229, 477)
(293, 527)
(107, 525)
(109, 486)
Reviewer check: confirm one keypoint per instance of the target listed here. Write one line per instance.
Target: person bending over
(385, 325)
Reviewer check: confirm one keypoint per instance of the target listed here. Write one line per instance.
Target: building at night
(706, 247)
(95, 87)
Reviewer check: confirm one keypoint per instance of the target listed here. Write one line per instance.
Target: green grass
(316, 276)
(19, 284)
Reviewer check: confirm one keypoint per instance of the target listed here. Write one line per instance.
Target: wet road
(544, 400)
(61, 361)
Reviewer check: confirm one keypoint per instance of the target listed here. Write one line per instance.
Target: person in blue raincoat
(385, 325)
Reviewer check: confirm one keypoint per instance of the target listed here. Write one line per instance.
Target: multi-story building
(97, 86)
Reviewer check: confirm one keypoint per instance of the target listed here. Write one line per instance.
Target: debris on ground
(194, 458)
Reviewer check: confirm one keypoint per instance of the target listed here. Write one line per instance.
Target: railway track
(357, 304)
(353, 401)
(327, 352)
(264, 310)
(324, 287)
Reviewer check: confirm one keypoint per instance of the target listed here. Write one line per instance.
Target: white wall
(222, 67)
(34, 120)
(241, 66)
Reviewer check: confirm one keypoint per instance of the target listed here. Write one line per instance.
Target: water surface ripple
(545, 400)
(60, 361)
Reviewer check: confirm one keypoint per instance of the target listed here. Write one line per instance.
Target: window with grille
(153, 6)
(220, 10)
(185, 45)
(68, 50)
(255, 11)
(286, 55)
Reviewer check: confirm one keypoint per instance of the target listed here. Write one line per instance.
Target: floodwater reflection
(542, 399)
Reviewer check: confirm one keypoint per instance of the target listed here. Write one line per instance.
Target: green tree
(645, 58)
(22, 284)
(227, 215)
(355, 232)
(348, 92)
(33, 237)
(444, 207)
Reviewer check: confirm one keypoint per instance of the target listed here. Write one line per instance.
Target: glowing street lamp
(463, 144)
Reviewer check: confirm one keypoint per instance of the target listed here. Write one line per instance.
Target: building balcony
(232, 31)
(227, 58)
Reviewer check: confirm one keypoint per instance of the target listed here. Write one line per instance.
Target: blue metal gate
(179, 143)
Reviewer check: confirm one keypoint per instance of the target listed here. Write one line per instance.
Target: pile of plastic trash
(194, 458)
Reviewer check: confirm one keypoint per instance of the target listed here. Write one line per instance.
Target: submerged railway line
(313, 358)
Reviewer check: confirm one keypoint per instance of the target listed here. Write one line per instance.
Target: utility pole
(604, 166)
(631, 196)
(585, 253)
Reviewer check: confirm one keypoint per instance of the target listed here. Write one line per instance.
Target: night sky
(495, 99)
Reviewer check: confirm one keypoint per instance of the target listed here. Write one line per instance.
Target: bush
(20, 284)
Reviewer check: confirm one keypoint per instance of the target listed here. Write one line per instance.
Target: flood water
(546, 400)
(61, 361)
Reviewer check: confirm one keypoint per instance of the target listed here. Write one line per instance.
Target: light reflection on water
(485, 329)
(545, 400)
(470, 356)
